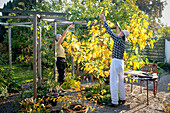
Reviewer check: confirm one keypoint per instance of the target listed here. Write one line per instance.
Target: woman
(117, 65)
(61, 59)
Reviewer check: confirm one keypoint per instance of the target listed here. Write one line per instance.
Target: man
(117, 65)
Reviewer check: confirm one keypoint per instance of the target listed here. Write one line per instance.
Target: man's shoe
(113, 105)
(122, 101)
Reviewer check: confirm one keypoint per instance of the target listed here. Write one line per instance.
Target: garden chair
(152, 68)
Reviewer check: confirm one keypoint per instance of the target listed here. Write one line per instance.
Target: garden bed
(136, 102)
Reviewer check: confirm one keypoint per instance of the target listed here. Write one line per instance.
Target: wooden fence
(157, 53)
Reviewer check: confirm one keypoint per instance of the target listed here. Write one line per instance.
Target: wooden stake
(35, 55)
(55, 55)
(39, 57)
(10, 54)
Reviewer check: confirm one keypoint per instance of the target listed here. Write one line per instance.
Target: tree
(153, 8)
(91, 49)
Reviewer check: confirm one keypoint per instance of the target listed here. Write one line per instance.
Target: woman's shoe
(62, 90)
(113, 105)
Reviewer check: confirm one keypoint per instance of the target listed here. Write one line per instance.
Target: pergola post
(35, 55)
(55, 55)
(39, 57)
(10, 54)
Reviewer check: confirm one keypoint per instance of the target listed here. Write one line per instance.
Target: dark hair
(123, 37)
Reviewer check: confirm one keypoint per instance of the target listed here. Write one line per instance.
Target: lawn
(22, 74)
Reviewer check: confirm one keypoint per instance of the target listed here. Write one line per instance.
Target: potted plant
(53, 86)
(53, 89)
(77, 108)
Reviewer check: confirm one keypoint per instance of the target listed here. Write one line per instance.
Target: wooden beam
(7, 24)
(4, 24)
(39, 57)
(23, 23)
(50, 17)
(71, 23)
(14, 17)
(31, 12)
(10, 53)
(55, 55)
(35, 56)
(80, 22)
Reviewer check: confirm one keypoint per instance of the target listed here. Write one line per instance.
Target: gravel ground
(9, 105)
(136, 102)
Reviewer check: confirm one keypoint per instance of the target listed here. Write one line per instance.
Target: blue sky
(165, 19)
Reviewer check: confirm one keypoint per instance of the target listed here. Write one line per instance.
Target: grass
(22, 74)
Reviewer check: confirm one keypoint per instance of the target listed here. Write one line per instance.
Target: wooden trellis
(34, 17)
(62, 20)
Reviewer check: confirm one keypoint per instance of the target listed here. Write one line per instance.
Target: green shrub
(3, 92)
(95, 93)
(7, 83)
(70, 81)
(4, 55)
(164, 66)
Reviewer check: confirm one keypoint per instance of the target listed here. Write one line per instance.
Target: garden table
(142, 76)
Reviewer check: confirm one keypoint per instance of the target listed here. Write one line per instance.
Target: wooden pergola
(36, 15)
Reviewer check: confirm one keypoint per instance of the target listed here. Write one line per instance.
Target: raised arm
(64, 34)
(113, 35)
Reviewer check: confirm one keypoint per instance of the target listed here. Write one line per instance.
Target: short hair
(57, 36)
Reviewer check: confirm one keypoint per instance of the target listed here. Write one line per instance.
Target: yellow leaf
(101, 106)
(31, 28)
(150, 33)
(132, 80)
(137, 80)
(6, 26)
(129, 75)
(126, 79)
(95, 21)
(136, 50)
(106, 12)
(89, 23)
(76, 46)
